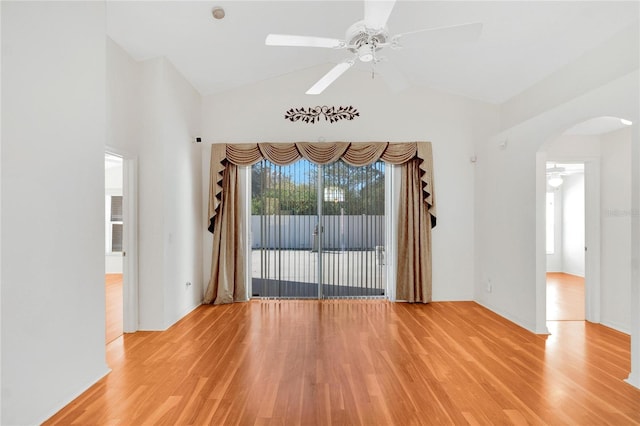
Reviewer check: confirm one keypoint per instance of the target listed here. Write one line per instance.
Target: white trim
(592, 240)
(622, 328)
(634, 374)
(66, 400)
(540, 326)
(130, 246)
(511, 318)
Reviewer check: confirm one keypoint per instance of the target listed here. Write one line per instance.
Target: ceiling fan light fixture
(555, 181)
(365, 53)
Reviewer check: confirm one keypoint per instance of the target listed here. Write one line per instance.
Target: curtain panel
(417, 210)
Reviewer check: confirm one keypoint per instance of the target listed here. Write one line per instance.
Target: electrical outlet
(188, 283)
(489, 286)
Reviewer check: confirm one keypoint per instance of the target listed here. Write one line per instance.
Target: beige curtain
(414, 238)
(227, 282)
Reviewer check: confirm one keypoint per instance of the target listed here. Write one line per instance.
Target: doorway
(114, 239)
(565, 241)
(603, 145)
(121, 242)
(318, 231)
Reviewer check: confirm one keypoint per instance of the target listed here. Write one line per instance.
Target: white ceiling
(521, 43)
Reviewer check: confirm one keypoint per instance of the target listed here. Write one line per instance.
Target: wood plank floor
(565, 297)
(361, 362)
(114, 318)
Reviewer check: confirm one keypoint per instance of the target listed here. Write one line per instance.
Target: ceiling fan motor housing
(365, 42)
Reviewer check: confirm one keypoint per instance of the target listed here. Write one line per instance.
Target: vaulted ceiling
(521, 42)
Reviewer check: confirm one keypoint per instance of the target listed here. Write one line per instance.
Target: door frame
(392, 197)
(130, 239)
(592, 236)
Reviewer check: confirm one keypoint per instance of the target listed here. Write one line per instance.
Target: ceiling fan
(556, 173)
(367, 37)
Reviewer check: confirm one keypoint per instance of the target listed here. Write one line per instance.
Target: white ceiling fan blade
(303, 41)
(376, 13)
(392, 76)
(330, 77)
(441, 35)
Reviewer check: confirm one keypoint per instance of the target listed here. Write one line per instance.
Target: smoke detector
(218, 12)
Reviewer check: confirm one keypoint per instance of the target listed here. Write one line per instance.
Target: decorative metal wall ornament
(312, 114)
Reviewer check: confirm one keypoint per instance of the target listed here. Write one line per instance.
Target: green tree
(362, 188)
(274, 191)
(356, 190)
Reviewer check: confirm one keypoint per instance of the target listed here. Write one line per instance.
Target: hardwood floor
(113, 284)
(361, 362)
(565, 297)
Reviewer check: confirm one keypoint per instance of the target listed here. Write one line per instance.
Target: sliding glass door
(283, 218)
(317, 231)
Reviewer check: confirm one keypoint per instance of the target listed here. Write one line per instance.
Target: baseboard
(574, 275)
(566, 273)
(517, 321)
(617, 327)
(633, 380)
(184, 313)
(68, 399)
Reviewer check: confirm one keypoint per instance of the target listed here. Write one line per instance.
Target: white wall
(568, 256)
(125, 100)
(453, 124)
(508, 238)
(570, 147)
(151, 232)
(554, 260)
(182, 179)
(153, 113)
(616, 229)
(510, 247)
(53, 138)
(573, 225)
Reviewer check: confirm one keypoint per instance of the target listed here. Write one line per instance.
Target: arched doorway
(604, 145)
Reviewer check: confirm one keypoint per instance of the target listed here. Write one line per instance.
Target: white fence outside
(341, 232)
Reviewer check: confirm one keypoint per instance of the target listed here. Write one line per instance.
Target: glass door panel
(283, 219)
(317, 231)
(353, 241)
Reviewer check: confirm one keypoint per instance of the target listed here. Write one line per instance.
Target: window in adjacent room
(114, 240)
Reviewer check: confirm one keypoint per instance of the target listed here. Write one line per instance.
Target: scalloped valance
(355, 154)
